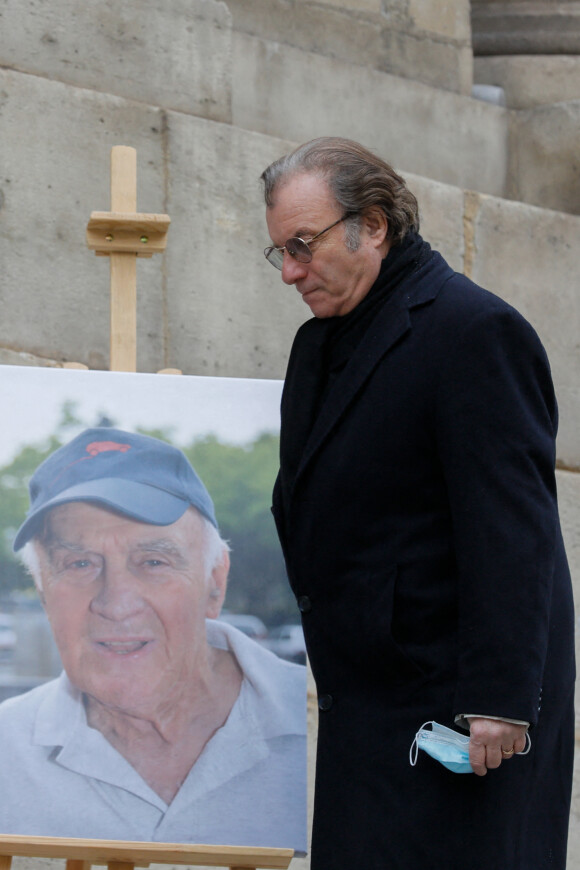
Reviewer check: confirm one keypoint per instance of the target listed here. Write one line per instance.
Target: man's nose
(120, 594)
(292, 270)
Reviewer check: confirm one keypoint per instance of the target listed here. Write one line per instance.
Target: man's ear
(218, 584)
(376, 225)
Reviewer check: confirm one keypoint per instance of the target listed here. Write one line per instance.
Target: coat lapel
(391, 325)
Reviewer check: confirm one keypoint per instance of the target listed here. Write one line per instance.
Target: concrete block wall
(419, 39)
(284, 74)
(285, 91)
(545, 156)
(529, 27)
(528, 154)
(295, 69)
(543, 92)
(179, 59)
(531, 80)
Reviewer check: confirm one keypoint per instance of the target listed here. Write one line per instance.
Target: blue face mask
(443, 744)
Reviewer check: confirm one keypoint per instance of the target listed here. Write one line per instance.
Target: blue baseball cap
(135, 475)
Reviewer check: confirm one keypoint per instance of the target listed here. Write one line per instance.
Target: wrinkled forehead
(300, 189)
(303, 204)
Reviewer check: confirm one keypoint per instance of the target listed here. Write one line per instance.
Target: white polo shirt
(61, 778)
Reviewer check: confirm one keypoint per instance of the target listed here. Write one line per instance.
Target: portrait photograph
(152, 662)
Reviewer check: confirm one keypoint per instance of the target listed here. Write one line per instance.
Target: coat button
(325, 702)
(304, 604)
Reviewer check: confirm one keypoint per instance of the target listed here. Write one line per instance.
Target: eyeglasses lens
(275, 257)
(299, 250)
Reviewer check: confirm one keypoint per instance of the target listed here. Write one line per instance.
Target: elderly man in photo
(166, 725)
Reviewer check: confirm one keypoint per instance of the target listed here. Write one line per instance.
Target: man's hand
(493, 741)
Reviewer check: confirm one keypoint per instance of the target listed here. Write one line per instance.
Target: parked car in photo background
(250, 625)
(7, 637)
(287, 641)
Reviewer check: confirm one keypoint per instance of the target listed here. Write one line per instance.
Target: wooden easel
(121, 855)
(123, 235)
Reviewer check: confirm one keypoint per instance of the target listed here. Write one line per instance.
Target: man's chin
(122, 681)
(125, 697)
(318, 304)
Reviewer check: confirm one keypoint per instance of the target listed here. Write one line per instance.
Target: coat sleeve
(496, 426)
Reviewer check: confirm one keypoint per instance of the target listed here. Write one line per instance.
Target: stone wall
(293, 69)
(209, 93)
(531, 80)
(526, 27)
(419, 39)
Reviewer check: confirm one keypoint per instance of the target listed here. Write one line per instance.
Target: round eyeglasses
(297, 248)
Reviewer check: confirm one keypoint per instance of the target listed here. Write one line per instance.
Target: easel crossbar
(127, 852)
(141, 234)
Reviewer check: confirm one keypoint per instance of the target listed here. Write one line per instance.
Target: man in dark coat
(416, 506)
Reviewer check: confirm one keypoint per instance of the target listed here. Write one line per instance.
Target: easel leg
(123, 312)
(123, 266)
(5, 862)
(121, 865)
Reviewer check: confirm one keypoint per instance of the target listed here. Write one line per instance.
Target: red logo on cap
(96, 447)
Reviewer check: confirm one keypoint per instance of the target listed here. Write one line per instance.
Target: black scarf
(323, 349)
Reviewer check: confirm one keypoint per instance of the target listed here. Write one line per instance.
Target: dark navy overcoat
(422, 542)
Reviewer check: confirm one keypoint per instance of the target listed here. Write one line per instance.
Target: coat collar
(391, 325)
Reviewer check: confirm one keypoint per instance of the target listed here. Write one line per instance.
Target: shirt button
(304, 604)
(325, 702)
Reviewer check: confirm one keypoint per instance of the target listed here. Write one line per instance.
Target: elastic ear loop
(414, 750)
(527, 748)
